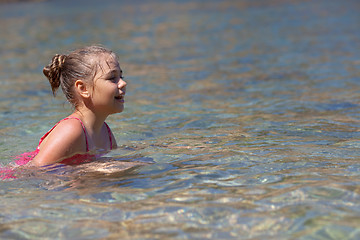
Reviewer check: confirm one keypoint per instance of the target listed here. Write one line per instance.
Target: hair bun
(53, 71)
(59, 60)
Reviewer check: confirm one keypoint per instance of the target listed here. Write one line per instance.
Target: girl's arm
(65, 140)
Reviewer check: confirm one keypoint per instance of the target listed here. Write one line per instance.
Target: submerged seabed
(246, 114)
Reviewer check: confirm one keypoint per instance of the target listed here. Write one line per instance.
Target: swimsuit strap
(83, 126)
(109, 132)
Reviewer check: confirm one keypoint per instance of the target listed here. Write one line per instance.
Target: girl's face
(108, 95)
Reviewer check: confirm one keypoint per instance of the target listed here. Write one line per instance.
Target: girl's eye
(115, 78)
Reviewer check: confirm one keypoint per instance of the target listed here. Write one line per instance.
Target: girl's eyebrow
(113, 71)
(117, 70)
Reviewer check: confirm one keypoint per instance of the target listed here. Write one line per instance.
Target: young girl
(92, 81)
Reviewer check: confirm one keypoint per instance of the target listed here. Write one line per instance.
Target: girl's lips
(120, 98)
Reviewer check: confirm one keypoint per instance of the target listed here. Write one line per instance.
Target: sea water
(244, 115)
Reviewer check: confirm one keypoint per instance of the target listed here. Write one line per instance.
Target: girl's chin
(119, 110)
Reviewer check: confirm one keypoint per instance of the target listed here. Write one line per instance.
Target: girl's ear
(82, 89)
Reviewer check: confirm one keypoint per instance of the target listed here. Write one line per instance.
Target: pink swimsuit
(9, 172)
(73, 160)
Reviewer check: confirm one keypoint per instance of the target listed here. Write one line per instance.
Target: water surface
(248, 112)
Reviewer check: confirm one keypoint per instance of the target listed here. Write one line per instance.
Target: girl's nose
(122, 84)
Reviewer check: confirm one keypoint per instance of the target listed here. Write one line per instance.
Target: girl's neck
(93, 122)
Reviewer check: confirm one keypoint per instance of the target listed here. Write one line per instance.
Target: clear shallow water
(248, 112)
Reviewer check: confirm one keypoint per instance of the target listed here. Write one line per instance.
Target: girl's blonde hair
(64, 70)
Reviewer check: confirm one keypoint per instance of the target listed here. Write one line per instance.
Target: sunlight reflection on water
(246, 111)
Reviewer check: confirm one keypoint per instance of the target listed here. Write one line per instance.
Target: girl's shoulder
(69, 128)
(70, 132)
(66, 138)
